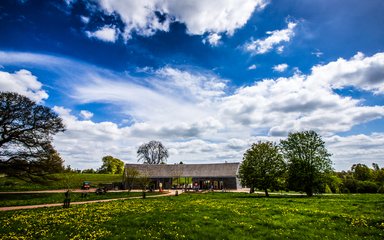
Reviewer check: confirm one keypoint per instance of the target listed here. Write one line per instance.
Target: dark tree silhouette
(153, 152)
(26, 131)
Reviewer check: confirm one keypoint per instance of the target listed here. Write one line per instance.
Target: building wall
(203, 176)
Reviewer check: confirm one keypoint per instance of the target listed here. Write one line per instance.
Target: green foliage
(362, 179)
(206, 216)
(327, 189)
(308, 161)
(333, 182)
(152, 152)
(262, 167)
(111, 165)
(63, 181)
(361, 172)
(90, 170)
(26, 131)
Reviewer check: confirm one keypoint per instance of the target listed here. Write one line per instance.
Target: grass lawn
(206, 216)
(20, 199)
(64, 180)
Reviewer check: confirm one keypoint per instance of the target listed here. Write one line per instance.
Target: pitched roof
(187, 170)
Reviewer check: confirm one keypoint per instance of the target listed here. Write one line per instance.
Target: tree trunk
(309, 191)
(266, 192)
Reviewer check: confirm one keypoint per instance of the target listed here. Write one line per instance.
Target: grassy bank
(207, 216)
(63, 181)
(7, 200)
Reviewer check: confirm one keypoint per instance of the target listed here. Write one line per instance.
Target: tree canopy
(152, 152)
(26, 131)
(111, 165)
(308, 160)
(262, 167)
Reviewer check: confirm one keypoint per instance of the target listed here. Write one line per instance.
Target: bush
(367, 187)
(327, 189)
(381, 189)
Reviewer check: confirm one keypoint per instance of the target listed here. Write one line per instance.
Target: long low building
(196, 176)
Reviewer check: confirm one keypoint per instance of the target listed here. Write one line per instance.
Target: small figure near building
(67, 200)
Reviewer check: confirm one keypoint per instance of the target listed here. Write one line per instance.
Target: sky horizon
(206, 78)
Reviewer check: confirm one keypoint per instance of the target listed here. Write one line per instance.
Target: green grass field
(65, 180)
(19, 199)
(206, 216)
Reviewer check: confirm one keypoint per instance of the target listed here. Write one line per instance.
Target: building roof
(187, 170)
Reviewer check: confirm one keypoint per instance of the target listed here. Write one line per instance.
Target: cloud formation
(274, 40)
(365, 73)
(146, 17)
(201, 117)
(280, 67)
(106, 34)
(252, 67)
(213, 39)
(23, 82)
(86, 114)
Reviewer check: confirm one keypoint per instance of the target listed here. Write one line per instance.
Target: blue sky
(207, 78)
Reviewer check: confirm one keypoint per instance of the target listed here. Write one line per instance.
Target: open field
(65, 180)
(206, 216)
(19, 199)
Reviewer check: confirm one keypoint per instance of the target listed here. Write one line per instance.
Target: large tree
(111, 165)
(308, 160)
(361, 172)
(262, 167)
(26, 131)
(152, 152)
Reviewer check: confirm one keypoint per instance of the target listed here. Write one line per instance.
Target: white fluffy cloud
(106, 34)
(213, 39)
(280, 67)
(23, 82)
(293, 104)
(276, 38)
(86, 114)
(195, 114)
(252, 67)
(362, 148)
(146, 17)
(366, 73)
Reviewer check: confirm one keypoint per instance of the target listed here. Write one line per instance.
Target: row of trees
(360, 179)
(299, 163)
(302, 163)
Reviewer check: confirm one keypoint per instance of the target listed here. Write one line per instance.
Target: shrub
(367, 187)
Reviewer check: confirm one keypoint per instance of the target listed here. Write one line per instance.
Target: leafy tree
(333, 182)
(111, 165)
(262, 166)
(361, 172)
(308, 160)
(26, 131)
(153, 152)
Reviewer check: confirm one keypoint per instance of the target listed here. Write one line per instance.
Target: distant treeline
(360, 179)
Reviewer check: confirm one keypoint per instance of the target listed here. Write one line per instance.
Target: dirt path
(64, 190)
(171, 193)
